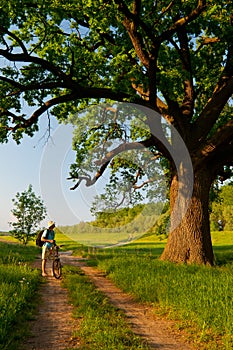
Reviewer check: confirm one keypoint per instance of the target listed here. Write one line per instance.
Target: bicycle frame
(56, 263)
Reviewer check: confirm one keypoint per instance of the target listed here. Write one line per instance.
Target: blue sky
(44, 165)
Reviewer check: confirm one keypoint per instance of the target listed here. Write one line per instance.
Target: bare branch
(89, 181)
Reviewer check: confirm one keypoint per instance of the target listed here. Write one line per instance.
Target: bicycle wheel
(57, 268)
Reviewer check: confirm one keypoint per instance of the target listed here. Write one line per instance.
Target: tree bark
(189, 240)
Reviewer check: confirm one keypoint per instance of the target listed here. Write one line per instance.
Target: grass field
(101, 325)
(18, 286)
(199, 298)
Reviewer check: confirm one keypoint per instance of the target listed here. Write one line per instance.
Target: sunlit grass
(200, 297)
(101, 325)
(18, 284)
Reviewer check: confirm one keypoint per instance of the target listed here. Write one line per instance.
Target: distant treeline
(153, 218)
(222, 209)
(142, 219)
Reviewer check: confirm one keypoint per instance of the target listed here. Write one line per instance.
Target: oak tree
(174, 58)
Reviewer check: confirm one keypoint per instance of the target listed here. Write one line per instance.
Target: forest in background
(153, 218)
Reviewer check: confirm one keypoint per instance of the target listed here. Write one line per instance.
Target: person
(220, 225)
(48, 239)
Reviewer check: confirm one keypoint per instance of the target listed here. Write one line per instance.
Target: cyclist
(48, 239)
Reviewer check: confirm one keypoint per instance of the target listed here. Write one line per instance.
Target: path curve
(159, 333)
(53, 326)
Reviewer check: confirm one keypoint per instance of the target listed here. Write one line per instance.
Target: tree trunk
(189, 240)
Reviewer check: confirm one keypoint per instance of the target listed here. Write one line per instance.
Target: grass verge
(199, 297)
(101, 325)
(18, 285)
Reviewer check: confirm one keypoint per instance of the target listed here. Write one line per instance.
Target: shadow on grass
(147, 249)
(223, 254)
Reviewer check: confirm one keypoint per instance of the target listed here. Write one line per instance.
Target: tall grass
(18, 283)
(101, 325)
(199, 296)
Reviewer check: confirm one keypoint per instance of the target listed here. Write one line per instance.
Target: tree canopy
(174, 57)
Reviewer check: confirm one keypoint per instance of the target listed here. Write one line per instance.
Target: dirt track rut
(56, 324)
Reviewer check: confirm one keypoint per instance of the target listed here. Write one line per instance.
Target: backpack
(39, 242)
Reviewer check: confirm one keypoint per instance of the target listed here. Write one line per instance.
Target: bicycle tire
(57, 269)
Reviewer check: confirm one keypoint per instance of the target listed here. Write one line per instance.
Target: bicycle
(56, 262)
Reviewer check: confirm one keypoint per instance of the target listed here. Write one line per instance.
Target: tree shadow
(223, 254)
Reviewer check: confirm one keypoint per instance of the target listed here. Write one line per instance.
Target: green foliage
(108, 138)
(122, 225)
(29, 211)
(87, 45)
(222, 209)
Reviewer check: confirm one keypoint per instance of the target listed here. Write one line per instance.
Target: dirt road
(56, 323)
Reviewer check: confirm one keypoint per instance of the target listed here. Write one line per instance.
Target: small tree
(29, 211)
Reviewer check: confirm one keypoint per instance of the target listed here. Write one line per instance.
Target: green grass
(201, 294)
(18, 284)
(223, 247)
(101, 325)
(201, 298)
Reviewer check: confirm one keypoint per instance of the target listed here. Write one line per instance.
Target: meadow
(199, 298)
(18, 287)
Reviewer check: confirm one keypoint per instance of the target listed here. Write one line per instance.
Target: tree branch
(137, 187)
(166, 35)
(33, 86)
(89, 181)
(103, 163)
(222, 157)
(127, 146)
(15, 37)
(206, 41)
(131, 22)
(223, 136)
(24, 123)
(25, 57)
(213, 108)
(187, 105)
(5, 112)
(221, 94)
(221, 140)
